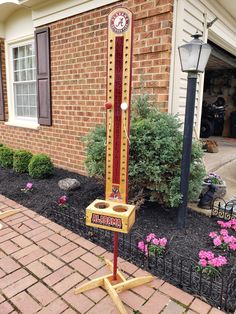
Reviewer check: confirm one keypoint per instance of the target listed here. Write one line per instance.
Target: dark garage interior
(219, 97)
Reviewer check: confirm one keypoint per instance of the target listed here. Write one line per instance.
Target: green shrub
(40, 166)
(6, 157)
(155, 155)
(21, 160)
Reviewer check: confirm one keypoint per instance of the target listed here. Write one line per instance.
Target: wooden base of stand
(8, 213)
(114, 287)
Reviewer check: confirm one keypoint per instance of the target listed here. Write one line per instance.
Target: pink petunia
(217, 241)
(214, 262)
(203, 262)
(155, 241)
(224, 232)
(209, 255)
(29, 185)
(222, 260)
(224, 224)
(227, 239)
(218, 261)
(150, 237)
(213, 234)
(163, 242)
(206, 255)
(232, 246)
(202, 254)
(141, 245)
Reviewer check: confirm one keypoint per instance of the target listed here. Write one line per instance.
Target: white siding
(192, 15)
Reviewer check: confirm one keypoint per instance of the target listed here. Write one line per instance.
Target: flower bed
(176, 263)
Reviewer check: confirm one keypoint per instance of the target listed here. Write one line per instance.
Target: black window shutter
(42, 43)
(2, 111)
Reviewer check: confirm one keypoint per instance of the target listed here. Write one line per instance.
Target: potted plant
(214, 179)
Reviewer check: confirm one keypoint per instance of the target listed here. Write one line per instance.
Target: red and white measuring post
(114, 213)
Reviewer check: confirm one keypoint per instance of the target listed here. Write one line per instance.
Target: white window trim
(31, 123)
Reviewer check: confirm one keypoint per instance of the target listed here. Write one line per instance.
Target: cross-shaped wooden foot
(114, 287)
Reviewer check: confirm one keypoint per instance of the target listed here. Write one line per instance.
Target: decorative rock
(69, 184)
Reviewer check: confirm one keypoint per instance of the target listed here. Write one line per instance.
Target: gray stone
(69, 184)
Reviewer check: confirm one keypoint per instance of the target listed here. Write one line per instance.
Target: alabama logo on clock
(119, 22)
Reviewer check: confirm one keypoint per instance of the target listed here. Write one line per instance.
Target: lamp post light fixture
(193, 57)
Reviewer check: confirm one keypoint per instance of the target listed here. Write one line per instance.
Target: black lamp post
(193, 57)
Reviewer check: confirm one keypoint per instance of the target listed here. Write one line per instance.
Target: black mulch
(149, 218)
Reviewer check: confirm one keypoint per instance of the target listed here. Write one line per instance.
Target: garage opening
(219, 97)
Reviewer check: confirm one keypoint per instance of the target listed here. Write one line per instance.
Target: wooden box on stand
(110, 215)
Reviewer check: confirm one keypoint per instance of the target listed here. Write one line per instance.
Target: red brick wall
(78, 67)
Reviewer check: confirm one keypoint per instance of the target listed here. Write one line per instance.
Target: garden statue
(114, 213)
(207, 198)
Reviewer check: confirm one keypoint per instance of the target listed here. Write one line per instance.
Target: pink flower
(209, 255)
(202, 254)
(232, 246)
(203, 262)
(155, 241)
(217, 241)
(224, 224)
(224, 232)
(163, 242)
(233, 221)
(141, 245)
(206, 255)
(227, 239)
(214, 262)
(63, 200)
(218, 261)
(150, 237)
(222, 260)
(213, 234)
(29, 185)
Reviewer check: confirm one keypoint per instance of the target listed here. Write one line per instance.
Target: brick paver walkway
(41, 263)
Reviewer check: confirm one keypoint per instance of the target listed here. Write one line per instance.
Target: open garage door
(219, 95)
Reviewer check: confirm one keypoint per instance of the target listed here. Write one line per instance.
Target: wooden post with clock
(114, 213)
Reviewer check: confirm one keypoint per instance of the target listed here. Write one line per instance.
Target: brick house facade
(78, 77)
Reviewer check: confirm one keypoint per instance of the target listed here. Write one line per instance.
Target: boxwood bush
(40, 166)
(6, 157)
(155, 156)
(21, 160)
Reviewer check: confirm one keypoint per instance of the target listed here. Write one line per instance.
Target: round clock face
(119, 22)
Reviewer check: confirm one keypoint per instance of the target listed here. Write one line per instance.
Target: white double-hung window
(24, 82)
